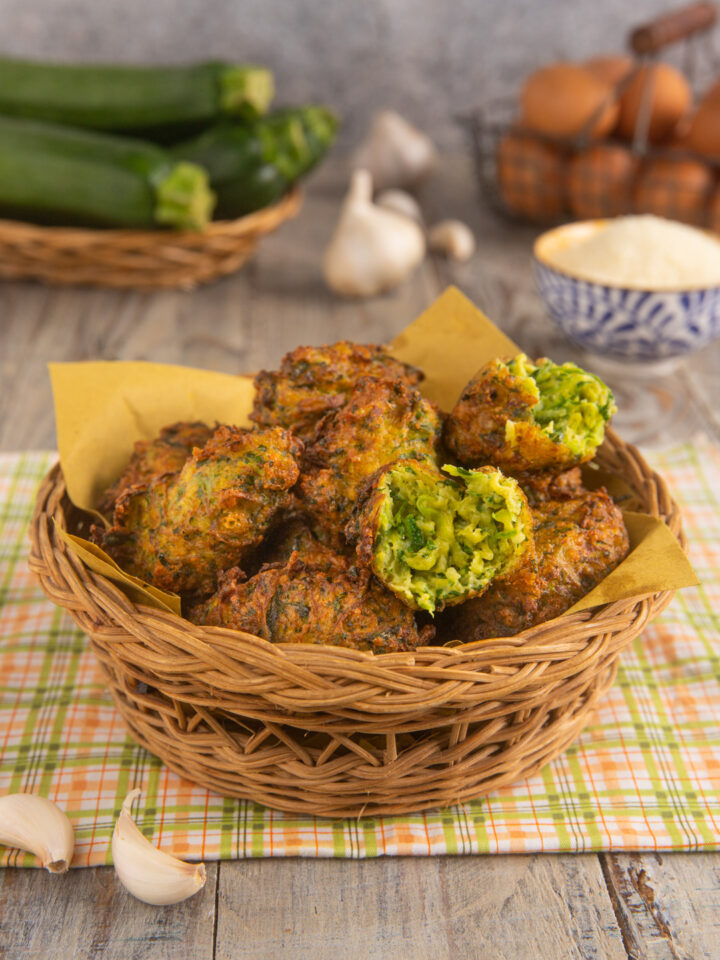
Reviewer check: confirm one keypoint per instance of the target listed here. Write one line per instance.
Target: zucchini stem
(183, 198)
(247, 91)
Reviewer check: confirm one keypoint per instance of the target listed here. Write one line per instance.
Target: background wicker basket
(139, 259)
(337, 732)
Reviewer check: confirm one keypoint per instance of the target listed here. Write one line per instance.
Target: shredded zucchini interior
(438, 539)
(572, 406)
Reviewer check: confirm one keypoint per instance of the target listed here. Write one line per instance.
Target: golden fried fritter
(155, 458)
(179, 531)
(547, 485)
(382, 421)
(313, 380)
(295, 538)
(521, 416)
(295, 602)
(577, 543)
(436, 538)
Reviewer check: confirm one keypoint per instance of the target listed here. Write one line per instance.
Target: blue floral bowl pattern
(629, 325)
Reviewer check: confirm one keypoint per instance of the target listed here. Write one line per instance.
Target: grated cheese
(644, 252)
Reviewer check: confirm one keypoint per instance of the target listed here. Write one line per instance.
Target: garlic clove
(400, 202)
(147, 872)
(372, 249)
(453, 238)
(36, 824)
(396, 153)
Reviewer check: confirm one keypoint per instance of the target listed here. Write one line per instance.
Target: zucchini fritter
(382, 421)
(436, 541)
(522, 416)
(155, 458)
(313, 380)
(577, 543)
(179, 531)
(296, 602)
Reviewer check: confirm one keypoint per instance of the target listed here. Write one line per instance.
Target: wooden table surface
(550, 907)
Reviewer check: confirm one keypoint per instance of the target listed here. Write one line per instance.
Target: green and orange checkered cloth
(644, 775)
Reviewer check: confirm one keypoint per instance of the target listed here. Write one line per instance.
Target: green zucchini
(54, 174)
(134, 99)
(253, 165)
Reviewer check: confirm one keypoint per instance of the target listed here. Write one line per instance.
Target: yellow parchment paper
(103, 408)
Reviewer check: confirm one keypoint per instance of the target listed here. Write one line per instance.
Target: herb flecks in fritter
(313, 380)
(523, 416)
(578, 541)
(298, 602)
(180, 531)
(382, 421)
(165, 454)
(436, 541)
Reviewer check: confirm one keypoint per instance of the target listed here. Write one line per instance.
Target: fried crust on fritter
(296, 602)
(577, 543)
(475, 429)
(313, 380)
(295, 537)
(382, 421)
(545, 485)
(165, 454)
(179, 532)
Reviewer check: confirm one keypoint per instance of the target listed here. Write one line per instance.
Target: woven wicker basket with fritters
(338, 732)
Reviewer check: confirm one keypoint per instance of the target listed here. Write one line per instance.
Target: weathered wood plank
(667, 906)
(556, 908)
(87, 914)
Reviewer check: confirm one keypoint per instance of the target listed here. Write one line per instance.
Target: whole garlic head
(372, 249)
(395, 153)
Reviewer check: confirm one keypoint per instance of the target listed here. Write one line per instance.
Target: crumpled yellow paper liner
(102, 408)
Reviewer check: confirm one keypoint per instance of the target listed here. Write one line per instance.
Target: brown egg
(600, 181)
(610, 69)
(712, 95)
(561, 100)
(674, 188)
(669, 98)
(530, 175)
(704, 131)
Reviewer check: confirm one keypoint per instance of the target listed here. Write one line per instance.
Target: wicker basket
(138, 259)
(333, 731)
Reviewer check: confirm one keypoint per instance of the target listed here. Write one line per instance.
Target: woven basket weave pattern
(137, 259)
(338, 732)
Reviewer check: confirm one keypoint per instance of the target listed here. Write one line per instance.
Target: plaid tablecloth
(644, 775)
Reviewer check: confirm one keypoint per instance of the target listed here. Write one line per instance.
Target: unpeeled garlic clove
(400, 202)
(147, 872)
(372, 249)
(38, 825)
(395, 152)
(453, 238)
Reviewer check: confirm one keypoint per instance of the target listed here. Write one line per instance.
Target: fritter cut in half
(436, 539)
(179, 531)
(155, 458)
(313, 380)
(578, 542)
(382, 421)
(522, 416)
(296, 602)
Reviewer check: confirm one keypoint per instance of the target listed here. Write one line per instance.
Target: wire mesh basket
(529, 176)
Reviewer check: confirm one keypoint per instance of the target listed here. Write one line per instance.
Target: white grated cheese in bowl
(644, 252)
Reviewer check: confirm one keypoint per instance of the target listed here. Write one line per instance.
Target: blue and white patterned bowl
(632, 325)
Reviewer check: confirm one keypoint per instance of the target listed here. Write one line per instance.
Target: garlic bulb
(453, 238)
(372, 249)
(147, 872)
(396, 153)
(36, 824)
(400, 202)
